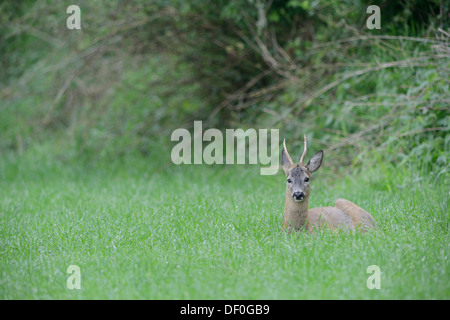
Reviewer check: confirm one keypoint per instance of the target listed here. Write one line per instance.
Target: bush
(138, 70)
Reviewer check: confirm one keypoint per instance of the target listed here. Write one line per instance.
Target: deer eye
(306, 179)
(289, 180)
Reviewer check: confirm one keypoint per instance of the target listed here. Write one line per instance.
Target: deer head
(299, 175)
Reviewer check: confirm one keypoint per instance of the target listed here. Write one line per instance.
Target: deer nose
(298, 195)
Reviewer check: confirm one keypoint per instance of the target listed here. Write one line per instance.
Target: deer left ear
(315, 162)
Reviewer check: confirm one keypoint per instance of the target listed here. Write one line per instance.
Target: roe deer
(345, 215)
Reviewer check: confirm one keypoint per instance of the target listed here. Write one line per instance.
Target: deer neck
(295, 213)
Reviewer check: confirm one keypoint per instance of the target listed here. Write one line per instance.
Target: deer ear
(285, 162)
(315, 162)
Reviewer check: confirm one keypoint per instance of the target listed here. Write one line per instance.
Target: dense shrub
(139, 69)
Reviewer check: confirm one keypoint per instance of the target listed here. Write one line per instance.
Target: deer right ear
(315, 162)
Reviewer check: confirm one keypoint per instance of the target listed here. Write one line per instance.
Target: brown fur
(344, 215)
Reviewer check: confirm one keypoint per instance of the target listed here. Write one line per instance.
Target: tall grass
(205, 233)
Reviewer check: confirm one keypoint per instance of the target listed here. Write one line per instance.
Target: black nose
(298, 195)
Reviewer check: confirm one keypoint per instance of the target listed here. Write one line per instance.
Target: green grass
(211, 233)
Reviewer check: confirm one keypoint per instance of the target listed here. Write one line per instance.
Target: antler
(287, 153)
(304, 151)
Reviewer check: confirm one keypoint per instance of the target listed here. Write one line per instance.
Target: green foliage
(138, 70)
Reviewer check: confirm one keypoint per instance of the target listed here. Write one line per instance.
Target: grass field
(201, 233)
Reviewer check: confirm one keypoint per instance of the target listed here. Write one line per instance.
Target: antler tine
(304, 151)
(287, 153)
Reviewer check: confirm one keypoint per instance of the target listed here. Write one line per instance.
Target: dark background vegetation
(139, 69)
